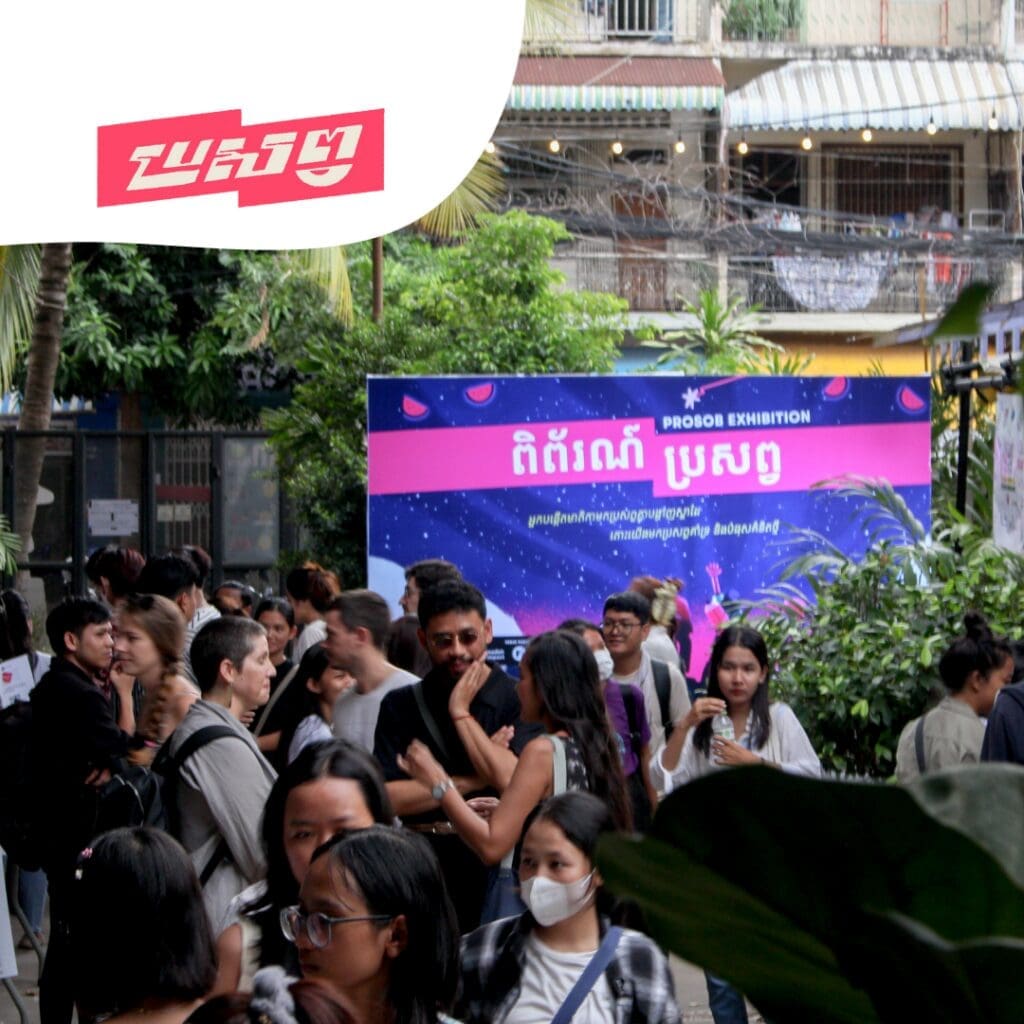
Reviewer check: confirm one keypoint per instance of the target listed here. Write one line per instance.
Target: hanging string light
(742, 148)
(993, 121)
(554, 146)
(866, 135)
(931, 127)
(680, 146)
(807, 143)
(616, 148)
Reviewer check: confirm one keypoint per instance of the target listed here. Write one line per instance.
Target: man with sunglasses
(455, 631)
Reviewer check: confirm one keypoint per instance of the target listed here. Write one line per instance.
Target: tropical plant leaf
(477, 193)
(675, 894)
(19, 278)
(328, 268)
(963, 318)
(878, 868)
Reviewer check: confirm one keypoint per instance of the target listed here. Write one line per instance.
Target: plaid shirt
(494, 956)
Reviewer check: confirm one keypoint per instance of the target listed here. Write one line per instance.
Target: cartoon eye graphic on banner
(246, 127)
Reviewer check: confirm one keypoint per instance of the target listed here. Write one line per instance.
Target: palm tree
(37, 402)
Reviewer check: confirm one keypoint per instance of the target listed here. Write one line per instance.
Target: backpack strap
(629, 703)
(559, 769)
(176, 761)
(663, 688)
(257, 729)
(919, 744)
(586, 981)
(429, 721)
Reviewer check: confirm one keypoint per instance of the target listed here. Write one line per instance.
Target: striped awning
(894, 95)
(616, 83)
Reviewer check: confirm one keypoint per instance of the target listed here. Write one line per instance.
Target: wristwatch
(440, 788)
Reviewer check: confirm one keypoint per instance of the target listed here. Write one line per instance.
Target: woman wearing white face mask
(628, 714)
(562, 960)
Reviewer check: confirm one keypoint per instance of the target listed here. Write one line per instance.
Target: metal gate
(155, 491)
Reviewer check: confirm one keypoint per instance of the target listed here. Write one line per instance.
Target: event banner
(550, 493)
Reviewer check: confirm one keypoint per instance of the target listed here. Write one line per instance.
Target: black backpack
(19, 834)
(167, 768)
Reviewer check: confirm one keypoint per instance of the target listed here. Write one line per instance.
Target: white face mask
(605, 667)
(551, 902)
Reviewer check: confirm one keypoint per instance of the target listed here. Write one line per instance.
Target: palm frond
(19, 279)
(477, 193)
(328, 268)
(547, 21)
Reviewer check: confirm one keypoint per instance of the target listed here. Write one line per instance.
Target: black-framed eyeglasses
(619, 625)
(317, 926)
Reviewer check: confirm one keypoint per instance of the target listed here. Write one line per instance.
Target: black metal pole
(964, 450)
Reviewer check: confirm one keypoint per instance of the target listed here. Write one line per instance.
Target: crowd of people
(346, 818)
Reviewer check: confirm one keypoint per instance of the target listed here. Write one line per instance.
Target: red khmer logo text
(277, 162)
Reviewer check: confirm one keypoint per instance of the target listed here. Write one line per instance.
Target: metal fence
(151, 490)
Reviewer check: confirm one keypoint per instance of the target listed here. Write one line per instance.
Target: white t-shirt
(355, 713)
(548, 976)
(312, 729)
(312, 633)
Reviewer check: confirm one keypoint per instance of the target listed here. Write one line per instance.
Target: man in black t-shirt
(455, 631)
(76, 746)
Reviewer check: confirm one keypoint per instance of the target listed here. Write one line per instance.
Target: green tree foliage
(490, 305)
(860, 660)
(841, 903)
(723, 341)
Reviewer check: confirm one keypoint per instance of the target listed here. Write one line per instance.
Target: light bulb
(806, 143)
(554, 145)
(743, 149)
(680, 146)
(866, 135)
(490, 148)
(617, 148)
(932, 127)
(993, 122)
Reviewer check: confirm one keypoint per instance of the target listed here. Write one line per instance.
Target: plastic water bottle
(721, 726)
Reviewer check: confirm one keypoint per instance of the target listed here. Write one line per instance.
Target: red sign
(275, 162)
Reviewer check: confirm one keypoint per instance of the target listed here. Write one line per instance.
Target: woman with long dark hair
(559, 687)
(141, 948)
(330, 787)
(374, 925)
(762, 732)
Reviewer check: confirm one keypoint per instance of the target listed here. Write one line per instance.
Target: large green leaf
(798, 889)
(706, 919)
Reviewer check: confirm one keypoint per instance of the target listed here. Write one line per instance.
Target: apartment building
(846, 167)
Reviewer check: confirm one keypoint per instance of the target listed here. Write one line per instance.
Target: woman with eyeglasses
(374, 925)
(329, 788)
(141, 948)
(559, 686)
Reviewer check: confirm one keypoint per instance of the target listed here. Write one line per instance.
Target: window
(892, 181)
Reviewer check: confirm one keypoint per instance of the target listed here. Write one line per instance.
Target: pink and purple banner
(552, 492)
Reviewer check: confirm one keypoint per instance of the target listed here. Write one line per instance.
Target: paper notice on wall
(1008, 474)
(113, 517)
(16, 680)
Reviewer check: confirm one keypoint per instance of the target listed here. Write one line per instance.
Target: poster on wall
(551, 493)
(1008, 475)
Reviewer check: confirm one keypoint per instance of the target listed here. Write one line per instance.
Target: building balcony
(608, 21)
(954, 24)
(661, 276)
